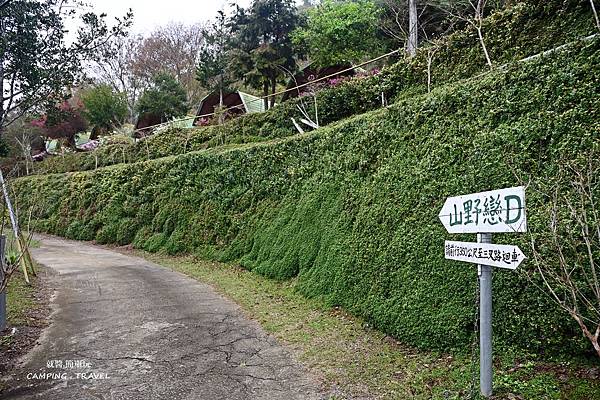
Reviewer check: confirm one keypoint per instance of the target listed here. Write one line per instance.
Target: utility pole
(413, 35)
(2, 49)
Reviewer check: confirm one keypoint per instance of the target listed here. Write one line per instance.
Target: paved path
(149, 333)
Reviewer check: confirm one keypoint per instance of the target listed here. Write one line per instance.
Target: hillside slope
(527, 28)
(351, 209)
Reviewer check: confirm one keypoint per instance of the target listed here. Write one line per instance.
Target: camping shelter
(145, 123)
(237, 103)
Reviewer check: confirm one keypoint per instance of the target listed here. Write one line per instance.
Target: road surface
(123, 328)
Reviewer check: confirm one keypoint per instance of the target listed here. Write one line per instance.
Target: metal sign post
(485, 322)
(483, 213)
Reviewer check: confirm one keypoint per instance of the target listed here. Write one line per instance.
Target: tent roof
(249, 104)
(252, 103)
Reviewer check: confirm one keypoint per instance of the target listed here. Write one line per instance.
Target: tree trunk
(595, 14)
(71, 142)
(266, 93)
(273, 89)
(477, 23)
(221, 110)
(413, 35)
(487, 56)
(1, 77)
(429, 61)
(596, 345)
(1, 93)
(593, 338)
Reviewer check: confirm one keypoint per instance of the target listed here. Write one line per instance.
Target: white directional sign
(495, 255)
(490, 212)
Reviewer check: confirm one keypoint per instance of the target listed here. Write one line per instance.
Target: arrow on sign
(495, 255)
(494, 211)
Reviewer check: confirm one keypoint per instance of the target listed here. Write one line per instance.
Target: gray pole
(11, 212)
(3, 294)
(413, 33)
(485, 321)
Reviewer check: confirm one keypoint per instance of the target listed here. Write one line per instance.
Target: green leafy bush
(166, 98)
(351, 209)
(340, 32)
(104, 108)
(528, 28)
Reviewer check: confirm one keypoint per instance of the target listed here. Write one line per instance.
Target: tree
(113, 66)
(172, 49)
(261, 38)
(36, 60)
(212, 71)
(341, 32)
(428, 21)
(166, 98)
(567, 255)
(104, 108)
(472, 12)
(62, 121)
(23, 140)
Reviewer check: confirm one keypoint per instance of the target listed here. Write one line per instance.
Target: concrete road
(123, 328)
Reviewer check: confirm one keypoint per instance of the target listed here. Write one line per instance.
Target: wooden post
(21, 246)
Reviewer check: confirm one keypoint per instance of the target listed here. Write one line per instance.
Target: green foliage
(4, 147)
(38, 63)
(212, 71)
(21, 300)
(166, 98)
(261, 39)
(351, 209)
(521, 31)
(104, 108)
(341, 32)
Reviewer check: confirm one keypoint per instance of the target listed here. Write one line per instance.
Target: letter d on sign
(518, 206)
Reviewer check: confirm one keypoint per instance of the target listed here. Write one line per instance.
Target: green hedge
(351, 209)
(528, 28)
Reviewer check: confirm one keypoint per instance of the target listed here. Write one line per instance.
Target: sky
(148, 14)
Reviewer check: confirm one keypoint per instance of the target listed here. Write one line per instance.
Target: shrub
(351, 209)
(166, 98)
(528, 28)
(104, 108)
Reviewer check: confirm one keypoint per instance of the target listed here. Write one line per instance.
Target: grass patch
(358, 361)
(20, 298)
(10, 240)
(26, 311)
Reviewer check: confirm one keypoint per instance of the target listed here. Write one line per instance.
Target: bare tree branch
(566, 254)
